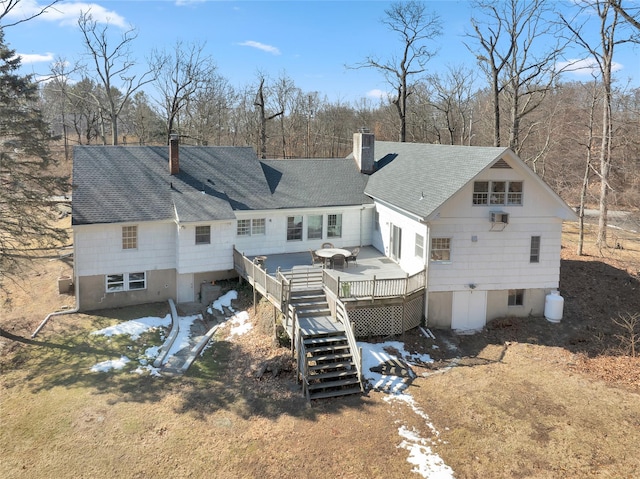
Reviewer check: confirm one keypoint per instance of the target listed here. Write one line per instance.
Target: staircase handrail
(349, 327)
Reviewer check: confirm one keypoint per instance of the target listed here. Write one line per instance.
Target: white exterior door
(395, 243)
(185, 288)
(469, 311)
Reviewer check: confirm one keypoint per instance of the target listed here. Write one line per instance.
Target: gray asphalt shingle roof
(315, 182)
(419, 177)
(115, 184)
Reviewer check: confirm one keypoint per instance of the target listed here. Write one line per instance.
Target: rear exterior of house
(153, 223)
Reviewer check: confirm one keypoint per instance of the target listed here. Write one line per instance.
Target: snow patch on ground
(427, 463)
(135, 327)
(223, 301)
(110, 364)
(239, 324)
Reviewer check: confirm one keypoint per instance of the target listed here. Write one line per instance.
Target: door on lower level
(469, 311)
(185, 288)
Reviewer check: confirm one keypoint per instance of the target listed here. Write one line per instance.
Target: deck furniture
(330, 253)
(327, 245)
(315, 259)
(354, 256)
(260, 260)
(338, 261)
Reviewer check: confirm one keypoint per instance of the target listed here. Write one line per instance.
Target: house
(153, 223)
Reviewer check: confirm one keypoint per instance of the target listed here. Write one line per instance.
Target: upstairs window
(244, 228)
(334, 226)
(258, 226)
(129, 237)
(440, 249)
(419, 246)
(203, 234)
(497, 193)
(534, 252)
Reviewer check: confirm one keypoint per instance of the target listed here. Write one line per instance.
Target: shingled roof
(419, 177)
(115, 184)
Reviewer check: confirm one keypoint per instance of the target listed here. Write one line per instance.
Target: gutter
(76, 289)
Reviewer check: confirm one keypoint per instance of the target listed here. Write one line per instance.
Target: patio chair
(315, 259)
(337, 261)
(327, 245)
(354, 256)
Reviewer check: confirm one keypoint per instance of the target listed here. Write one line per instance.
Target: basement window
(516, 297)
(126, 282)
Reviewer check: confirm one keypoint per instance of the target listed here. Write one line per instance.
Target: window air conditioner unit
(499, 217)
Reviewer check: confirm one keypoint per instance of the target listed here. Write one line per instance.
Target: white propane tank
(553, 306)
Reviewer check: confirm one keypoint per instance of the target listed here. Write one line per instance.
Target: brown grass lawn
(527, 398)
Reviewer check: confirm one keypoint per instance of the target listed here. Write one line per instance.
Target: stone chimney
(174, 154)
(363, 150)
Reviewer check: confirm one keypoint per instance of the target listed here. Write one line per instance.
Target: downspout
(426, 275)
(76, 289)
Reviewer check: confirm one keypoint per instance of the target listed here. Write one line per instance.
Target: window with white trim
(497, 193)
(314, 226)
(440, 249)
(252, 227)
(126, 282)
(419, 246)
(294, 228)
(129, 237)
(203, 234)
(534, 250)
(258, 226)
(516, 297)
(334, 226)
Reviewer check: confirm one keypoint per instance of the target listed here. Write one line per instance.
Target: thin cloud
(66, 13)
(28, 58)
(377, 94)
(261, 46)
(185, 3)
(584, 67)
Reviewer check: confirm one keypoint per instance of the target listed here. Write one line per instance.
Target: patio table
(328, 253)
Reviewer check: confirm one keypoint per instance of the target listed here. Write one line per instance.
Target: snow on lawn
(427, 463)
(184, 333)
(135, 327)
(110, 364)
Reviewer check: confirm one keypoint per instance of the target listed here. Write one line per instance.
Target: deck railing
(276, 288)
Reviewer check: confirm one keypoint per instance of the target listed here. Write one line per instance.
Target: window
(203, 234)
(516, 297)
(534, 254)
(480, 192)
(252, 227)
(419, 246)
(294, 228)
(377, 221)
(129, 237)
(244, 228)
(258, 226)
(126, 282)
(497, 193)
(314, 227)
(514, 197)
(334, 226)
(440, 249)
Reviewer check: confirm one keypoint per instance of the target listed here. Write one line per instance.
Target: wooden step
(330, 357)
(339, 365)
(325, 340)
(332, 384)
(343, 373)
(326, 348)
(335, 393)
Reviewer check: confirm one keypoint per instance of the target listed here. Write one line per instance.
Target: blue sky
(310, 41)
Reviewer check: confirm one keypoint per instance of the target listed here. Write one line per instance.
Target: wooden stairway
(328, 369)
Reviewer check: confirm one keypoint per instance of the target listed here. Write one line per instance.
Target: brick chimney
(174, 154)
(363, 150)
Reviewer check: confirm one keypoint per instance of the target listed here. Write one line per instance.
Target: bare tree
(630, 14)
(602, 55)
(180, 75)
(509, 37)
(416, 27)
(111, 65)
(264, 117)
(7, 6)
